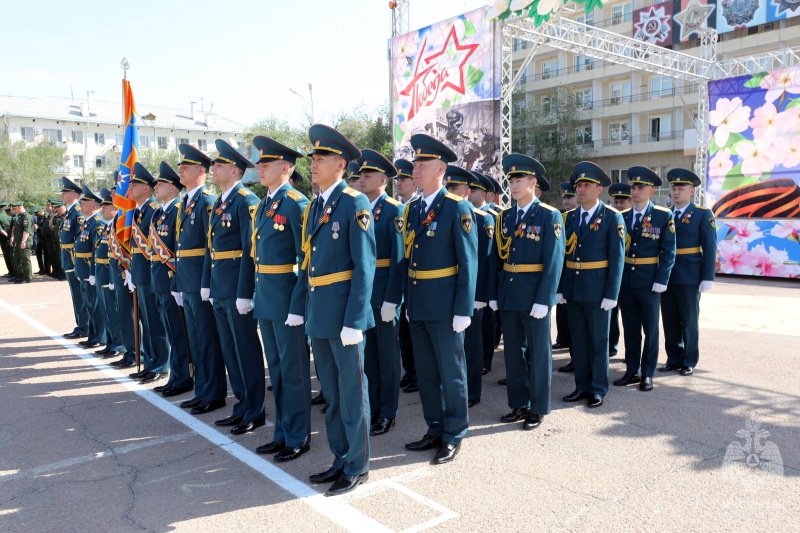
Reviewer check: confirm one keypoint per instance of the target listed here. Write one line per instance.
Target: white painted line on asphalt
(66, 463)
(335, 509)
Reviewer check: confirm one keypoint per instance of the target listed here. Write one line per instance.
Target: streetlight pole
(311, 103)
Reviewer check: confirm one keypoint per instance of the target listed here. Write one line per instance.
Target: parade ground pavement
(83, 448)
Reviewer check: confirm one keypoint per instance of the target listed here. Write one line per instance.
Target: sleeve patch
(621, 230)
(466, 222)
(399, 224)
(364, 218)
(672, 226)
(713, 224)
(489, 231)
(557, 230)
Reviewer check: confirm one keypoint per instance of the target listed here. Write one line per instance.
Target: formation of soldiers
(376, 286)
(25, 233)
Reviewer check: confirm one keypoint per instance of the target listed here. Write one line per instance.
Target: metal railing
(638, 139)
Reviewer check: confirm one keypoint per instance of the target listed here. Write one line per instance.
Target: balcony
(638, 139)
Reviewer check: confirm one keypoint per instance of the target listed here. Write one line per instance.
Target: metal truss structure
(401, 18)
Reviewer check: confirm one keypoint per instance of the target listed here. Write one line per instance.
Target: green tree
(551, 132)
(27, 172)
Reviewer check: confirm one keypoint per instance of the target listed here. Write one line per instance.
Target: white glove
(244, 305)
(493, 305)
(205, 294)
(91, 281)
(388, 311)
(479, 305)
(129, 281)
(705, 286)
(539, 311)
(351, 336)
(608, 305)
(211, 301)
(560, 298)
(460, 323)
(111, 286)
(657, 287)
(294, 320)
(178, 298)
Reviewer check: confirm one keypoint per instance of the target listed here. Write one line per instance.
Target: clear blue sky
(240, 55)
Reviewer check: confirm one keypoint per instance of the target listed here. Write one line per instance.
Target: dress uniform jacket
(654, 244)
(72, 221)
(118, 263)
(192, 239)
(89, 234)
(106, 298)
(388, 285)
(277, 249)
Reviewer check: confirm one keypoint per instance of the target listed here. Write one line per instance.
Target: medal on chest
(534, 233)
(280, 222)
(687, 217)
(335, 229)
(431, 229)
(595, 226)
(326, 216)
(274, 207)
(377, 213)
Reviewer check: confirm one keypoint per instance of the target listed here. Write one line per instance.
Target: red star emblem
(438, 75)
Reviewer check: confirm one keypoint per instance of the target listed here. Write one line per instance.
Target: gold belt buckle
(412, 273)
(577, 266)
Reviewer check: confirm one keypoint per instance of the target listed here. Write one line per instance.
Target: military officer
(210, 382)
(620, 200)
(5, 235)
(693, 273)
(45, 237)
(590, 280)
(338, 272)
(21, 242)
(85, 266)
(163, 263)
(542, 186)
(493, 195)
(352, 172)
(382, 359)
(649, 257)
(56, 221)
(103, 280)
(529, 243)
(461, 182)
(405, 190)
(71, 222)
(229, 282)
(568, 203)
(280, 299)
(155, 345)
(441, 249)
(492, 322)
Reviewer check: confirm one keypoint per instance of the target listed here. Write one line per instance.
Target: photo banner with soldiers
(446, 84)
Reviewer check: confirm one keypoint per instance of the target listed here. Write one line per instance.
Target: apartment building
(91, 132)
(632, 117)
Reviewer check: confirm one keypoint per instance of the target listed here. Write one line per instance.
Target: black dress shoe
(412, 387)
(112, 353)
(126, 364)
(329, 476)
(687, 371)
(104, 351)
(595, 400)
(516, 414)
(346, 484)
(628, 379)
(560, 346)
(569, 367)
(502, 382)
(373, 419)
(473, 402)
(669, 368)
(532, 422)
(425, 443)
(162, 388)
(290, 454)
(177, 391)
(319, 399)
(612, 352)
(139, 375)
(89, 344)
(194, 402)
(117, 363)
(405, 380)
(646, 385)
(246, 427)
(269, 387)
(207, 407)
(233, 420)
(575, 396)
(152, 377)
(381, 426)
(271, 447)
(446, 453)
(72, 335)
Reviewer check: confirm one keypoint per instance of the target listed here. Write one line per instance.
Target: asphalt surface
(83, 448)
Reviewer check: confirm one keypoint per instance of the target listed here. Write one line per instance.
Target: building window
(620, 92)
(618, 175)
(549, 69)
(622, 13)
(119, 139)
(583, 98)
(53, 136)
(162, 143)
(583, 63)
(181, 141)
(587, 19)
(100, 138)
(77, 161)
(26, 134)
(660, 86)
(619, 131)
(99, 162)
(77, 137)
(520, 44)
(202, 144)
(546, 106)
(584, 135)
(660, 127)
(144, 141)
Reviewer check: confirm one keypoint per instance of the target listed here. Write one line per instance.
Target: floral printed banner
(446, 83)
(768, 248)
(754, 145)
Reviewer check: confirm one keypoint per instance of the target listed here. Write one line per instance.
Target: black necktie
(638, 220)
(423, 207)
(520, 214)
(318, 210)
(185, 199)
(584, 219)
(677, 215)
